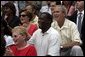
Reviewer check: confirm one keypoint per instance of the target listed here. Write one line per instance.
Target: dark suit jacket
(15, 21)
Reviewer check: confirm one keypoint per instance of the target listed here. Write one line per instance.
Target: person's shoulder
(53, 31)
(37, 31)
(71, 23)
(31, 46)
(33, 24)
(54, 34)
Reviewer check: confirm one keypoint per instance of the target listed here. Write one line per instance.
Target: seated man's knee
(76, 47)
(76, 51)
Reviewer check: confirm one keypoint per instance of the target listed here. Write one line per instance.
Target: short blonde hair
(20, 29)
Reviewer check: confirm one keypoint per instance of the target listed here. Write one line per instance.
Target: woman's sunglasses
(23, 15)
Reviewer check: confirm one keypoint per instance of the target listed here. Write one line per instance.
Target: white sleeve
(54, 46)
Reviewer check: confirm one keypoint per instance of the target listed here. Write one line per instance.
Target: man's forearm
(70, 44)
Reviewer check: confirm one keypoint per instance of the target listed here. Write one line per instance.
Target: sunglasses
(16, 35)
(23, 15)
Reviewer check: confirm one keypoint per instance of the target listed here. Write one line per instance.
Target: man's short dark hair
(48, 17)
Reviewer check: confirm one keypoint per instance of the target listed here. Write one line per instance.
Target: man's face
(79, 4)
(43, 24)
(7, 11)
(57, 13)
(40, 23)
(52, 6)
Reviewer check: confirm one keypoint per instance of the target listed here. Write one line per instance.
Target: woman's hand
(9, 52)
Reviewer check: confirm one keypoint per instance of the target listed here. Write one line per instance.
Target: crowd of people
(42, 28)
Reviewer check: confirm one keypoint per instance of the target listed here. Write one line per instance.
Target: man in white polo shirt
(46, 39)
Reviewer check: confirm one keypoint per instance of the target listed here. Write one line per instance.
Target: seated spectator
(70, 6)
(52, 5)
(9, 18)
(26, 18)
(46, 8)
(70, 37)
(46, 39)
(20, 48)
(78, 18)
(32, 9)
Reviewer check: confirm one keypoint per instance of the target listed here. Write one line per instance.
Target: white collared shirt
(82, 15)
(69, 32)
(47, 43)
(46, 9)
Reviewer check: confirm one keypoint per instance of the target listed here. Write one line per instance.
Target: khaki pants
(74, 51)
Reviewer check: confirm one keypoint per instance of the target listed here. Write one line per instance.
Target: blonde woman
(21, 47)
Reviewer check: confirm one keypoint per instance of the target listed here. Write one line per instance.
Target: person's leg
(65, 52)
(76, 51)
